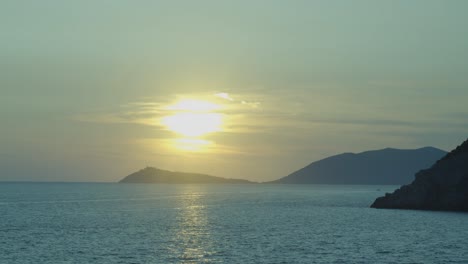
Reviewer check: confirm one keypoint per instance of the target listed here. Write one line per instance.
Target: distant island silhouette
(155, 175)
(387, 166)
(442, 187)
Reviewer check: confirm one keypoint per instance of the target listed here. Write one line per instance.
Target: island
(155, 175)
(443, 187)
(387, 166)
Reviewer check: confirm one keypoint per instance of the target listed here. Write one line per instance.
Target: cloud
(224, 96)
(251, 104)
(152, 111)
(274, 113)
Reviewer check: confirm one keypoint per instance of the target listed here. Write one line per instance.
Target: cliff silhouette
(444, 186)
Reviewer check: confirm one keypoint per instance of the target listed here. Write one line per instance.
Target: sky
(95, 90)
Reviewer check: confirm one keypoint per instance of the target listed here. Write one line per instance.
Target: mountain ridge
(382, 166)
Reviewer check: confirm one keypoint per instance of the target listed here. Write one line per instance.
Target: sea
(217, 223)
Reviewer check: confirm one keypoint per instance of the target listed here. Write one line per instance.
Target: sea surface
(251, 223)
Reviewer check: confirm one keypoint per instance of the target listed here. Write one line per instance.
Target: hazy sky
(86, 87)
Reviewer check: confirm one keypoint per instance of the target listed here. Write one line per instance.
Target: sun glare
(193, 118)
(193, 124)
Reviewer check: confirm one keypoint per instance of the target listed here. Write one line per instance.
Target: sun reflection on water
(193, 242)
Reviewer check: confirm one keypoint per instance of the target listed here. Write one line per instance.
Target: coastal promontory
(154, 175)
(444, 186)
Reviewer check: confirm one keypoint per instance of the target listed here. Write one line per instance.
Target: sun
(193, 124)
(193, 118)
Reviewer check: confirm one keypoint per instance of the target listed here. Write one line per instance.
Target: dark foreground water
(117, 223)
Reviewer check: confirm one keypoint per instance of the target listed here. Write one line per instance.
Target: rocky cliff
(444, 186)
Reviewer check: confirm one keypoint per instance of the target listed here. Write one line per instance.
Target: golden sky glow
(192, 105)
(236, 89)
(191, 144)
